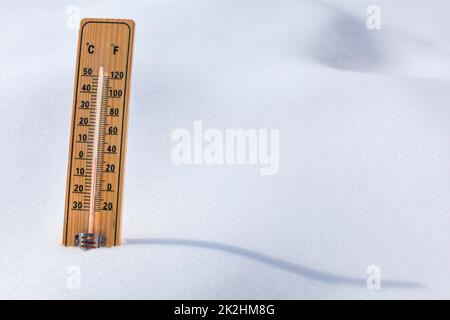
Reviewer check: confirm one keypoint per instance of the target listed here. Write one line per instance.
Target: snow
(364, 151)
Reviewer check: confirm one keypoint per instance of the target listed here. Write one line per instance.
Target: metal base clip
(88, 241)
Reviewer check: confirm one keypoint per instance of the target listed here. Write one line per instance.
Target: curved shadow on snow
(346, 43)
(322, 276)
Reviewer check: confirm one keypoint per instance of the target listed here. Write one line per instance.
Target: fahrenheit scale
(98, 133)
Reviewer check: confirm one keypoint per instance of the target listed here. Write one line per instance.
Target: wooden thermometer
(98, 133)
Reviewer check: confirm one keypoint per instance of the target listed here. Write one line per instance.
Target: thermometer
(98, 133)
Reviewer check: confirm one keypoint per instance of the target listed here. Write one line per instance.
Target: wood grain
(103, 44)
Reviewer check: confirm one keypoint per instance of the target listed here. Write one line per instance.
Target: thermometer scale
(98, 133)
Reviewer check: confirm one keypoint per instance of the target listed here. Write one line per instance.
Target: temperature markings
(98, 132)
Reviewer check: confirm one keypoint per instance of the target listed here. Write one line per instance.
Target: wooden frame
(98, 133)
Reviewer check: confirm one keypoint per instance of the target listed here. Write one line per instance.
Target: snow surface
(364, 151)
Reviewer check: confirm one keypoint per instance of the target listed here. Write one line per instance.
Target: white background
(364, 151)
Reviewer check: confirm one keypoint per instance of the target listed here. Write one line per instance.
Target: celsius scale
(98, 133)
